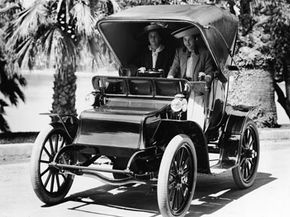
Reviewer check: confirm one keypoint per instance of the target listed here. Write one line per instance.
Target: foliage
(10, 89)
(10, 81)
(250, 41)
(57, 28)
(132, 3)
(47, 25)
(267, 44)
(278, 29)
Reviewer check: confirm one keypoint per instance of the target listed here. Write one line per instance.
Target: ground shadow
(212, 193)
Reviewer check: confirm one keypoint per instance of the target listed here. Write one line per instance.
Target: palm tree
(58, 28)
(279, 32)
(254, 85)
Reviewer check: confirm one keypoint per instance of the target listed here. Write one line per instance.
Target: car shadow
(211, 194)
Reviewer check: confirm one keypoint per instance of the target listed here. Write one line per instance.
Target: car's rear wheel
(177, 177)
(249, 152)
(48, 183)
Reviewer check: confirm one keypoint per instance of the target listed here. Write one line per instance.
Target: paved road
(215, 196)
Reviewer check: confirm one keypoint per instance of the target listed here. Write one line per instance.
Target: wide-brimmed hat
(186, 31)
(154, 26)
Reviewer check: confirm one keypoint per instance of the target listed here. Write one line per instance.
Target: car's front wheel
(177, 177)
(49, 184)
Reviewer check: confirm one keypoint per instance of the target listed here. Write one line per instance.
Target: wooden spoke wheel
(249, 152)
(177, 177)
(49, 184)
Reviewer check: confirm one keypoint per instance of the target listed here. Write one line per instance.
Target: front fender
(167, 129)
(70, 123)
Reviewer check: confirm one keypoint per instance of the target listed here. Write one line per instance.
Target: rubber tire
(236, 172)
(37, 184)
(164, 170)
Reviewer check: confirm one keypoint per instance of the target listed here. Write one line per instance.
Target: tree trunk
(246, 18)
(282, 99)
(64, 96)
(255, 88)
(64, 92)
(245, 6)
(287, 84)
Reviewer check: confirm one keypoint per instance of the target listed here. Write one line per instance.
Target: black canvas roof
(217, 26)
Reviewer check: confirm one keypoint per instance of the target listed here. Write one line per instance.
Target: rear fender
(231, 140)
(168, 129)
(68, 122)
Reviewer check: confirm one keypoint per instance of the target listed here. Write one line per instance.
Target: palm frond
(10, 87)
(11, 90)
(55, 39)
(11, 6)
(22, 81)
(47, 42)
(116, 6)
(92, 46)
(3, 124)
(28, 22)
(9, 93)
(2, 105)
(84, 20)
(23, 50)
(15, 85)
(30, 19)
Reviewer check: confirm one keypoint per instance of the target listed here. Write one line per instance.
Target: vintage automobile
(146, 126)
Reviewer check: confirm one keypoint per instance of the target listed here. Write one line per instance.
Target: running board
(223, 167)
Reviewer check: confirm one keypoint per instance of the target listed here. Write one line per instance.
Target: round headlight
(90, 99)
(179, 103)
(184, 105)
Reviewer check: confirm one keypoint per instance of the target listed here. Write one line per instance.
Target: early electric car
(148, 127)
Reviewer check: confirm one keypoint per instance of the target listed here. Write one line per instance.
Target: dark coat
(164, 60)
(204, 63)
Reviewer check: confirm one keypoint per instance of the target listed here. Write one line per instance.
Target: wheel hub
(250, 153)
(180, 179)
(53, 169)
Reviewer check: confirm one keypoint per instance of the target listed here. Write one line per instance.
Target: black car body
(133, 124)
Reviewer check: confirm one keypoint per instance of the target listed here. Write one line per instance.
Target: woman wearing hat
(156, 56)
(191, 62)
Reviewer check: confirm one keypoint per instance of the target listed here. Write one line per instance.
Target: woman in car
(191, 61)
(156, 55)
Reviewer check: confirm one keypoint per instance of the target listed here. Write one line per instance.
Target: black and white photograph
(144, 108)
